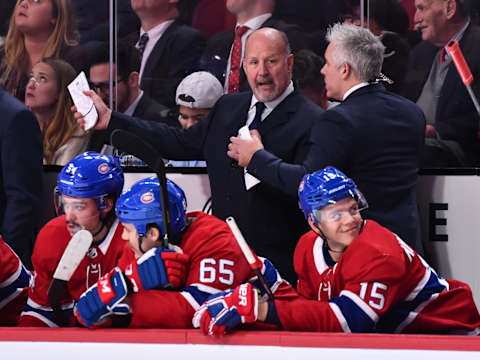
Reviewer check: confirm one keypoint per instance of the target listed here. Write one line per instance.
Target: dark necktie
(259, 107)
(442, 55)
(235, 60)
(142, 43)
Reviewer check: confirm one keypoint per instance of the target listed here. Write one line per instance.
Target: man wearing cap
(268, 216)
(195, 96)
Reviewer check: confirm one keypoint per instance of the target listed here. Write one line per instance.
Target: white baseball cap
(199, 90)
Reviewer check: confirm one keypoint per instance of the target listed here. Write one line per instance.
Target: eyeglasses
(103, 86)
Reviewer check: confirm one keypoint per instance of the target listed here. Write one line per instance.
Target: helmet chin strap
(140, 242)
(320, 233)
(99, 230)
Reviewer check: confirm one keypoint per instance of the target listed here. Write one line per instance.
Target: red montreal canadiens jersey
(216, 264)
(49, 247)
(379, 284)
(14, 283)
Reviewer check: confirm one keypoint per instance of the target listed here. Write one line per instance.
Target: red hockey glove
(225, 310)
(158, 268)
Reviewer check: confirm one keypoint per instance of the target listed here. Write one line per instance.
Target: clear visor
(337, 211)
(79, 216)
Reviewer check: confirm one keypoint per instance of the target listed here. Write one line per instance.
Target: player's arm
(157, 268)
(14, 280)
(46, 255)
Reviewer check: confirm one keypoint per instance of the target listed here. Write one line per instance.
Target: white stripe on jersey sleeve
(40, 317)
(361, 304)
(413, 314)
(201, 287)
(190, 299)
(10, 298)
(421, 284)
(338, 313)
(13, 277)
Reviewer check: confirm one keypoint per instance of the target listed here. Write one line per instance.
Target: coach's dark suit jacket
(456, 117)
(376, 138)
(147, 109)
(221, 43)
(174, 54)
(21, 175)
(268, 216)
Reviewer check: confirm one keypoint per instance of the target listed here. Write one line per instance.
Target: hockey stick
(463, 70)
(71, 258)
(252, 259)
(134, 145)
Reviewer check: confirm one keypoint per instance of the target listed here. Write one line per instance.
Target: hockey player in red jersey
(354, 276)
(14, 283)
(87, 189)
(216, 262)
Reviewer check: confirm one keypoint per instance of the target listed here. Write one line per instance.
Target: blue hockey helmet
(325, 187)
(141, 205)
(91, 175)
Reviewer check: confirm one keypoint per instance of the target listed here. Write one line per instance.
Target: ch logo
(103, 168)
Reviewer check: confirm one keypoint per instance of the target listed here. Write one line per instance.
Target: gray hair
(357, 47)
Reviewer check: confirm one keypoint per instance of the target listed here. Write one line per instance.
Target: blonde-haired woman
(48, 98)
(38, 29)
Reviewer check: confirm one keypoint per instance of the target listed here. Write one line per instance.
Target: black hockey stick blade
(134, 145)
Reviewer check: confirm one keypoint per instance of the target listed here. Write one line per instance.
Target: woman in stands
(38, 29)
(47, 96)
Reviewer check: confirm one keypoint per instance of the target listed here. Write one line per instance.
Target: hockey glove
(225, 310)
(103, 299)
(158, 268)
(271, 276)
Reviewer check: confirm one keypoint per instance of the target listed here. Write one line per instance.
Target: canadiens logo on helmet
(103, 168)
(302, 184)
(147, 198)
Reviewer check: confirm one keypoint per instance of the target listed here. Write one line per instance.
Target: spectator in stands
(48, 97)
(307, 76)
(433, 82)
(196, 95)
(268, 216)
(230, 45)
(389, 20)
(93, 21)
(38, 29)
(384, 15)
(21, 175)
(207, 10)
(374, 135)
(6, 11)
(168, 48)
(127, 97)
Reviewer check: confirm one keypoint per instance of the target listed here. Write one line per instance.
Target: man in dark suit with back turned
(168, 48)
(374, 136)
(250, 16)
(21, 160)
(269, 217)
(433, 82)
